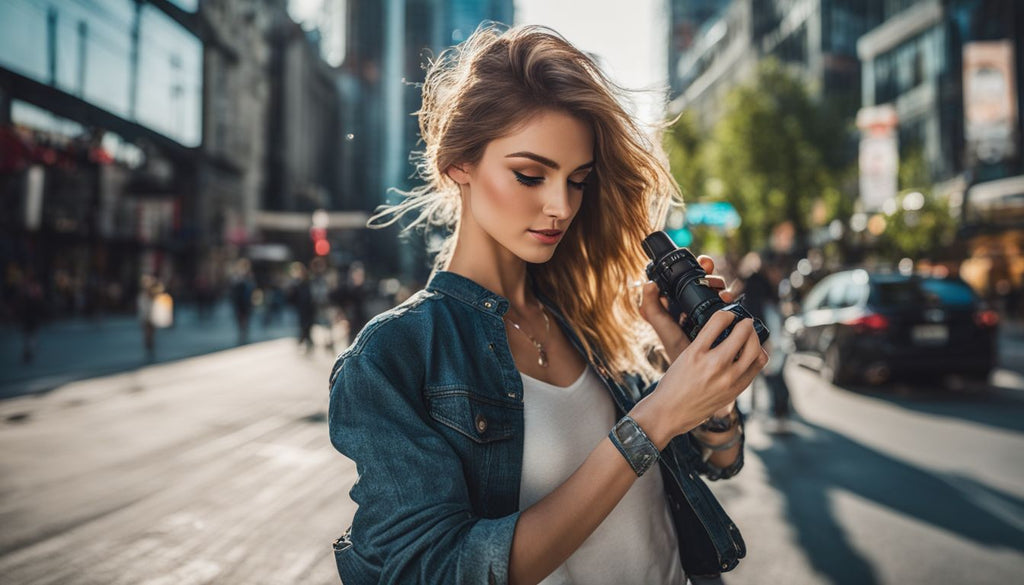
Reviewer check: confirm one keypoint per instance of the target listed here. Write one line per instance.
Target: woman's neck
(492, 267)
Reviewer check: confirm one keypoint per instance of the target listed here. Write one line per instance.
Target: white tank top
(636, 543)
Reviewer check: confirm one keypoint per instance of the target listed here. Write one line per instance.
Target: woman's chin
(536, 256)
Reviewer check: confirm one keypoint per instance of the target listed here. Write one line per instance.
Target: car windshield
(925, 292)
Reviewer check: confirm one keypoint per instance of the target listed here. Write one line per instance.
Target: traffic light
(320, 244)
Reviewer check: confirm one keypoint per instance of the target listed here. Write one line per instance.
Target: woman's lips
(547, 236)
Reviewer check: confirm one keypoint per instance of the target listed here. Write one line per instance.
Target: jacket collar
(463, 289)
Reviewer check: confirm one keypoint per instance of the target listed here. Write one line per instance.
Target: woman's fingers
(707, 263)
(751, 349)
(716, 282)
(713, 328)
(747, 377)
(652, 310)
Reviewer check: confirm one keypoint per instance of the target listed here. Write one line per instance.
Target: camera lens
(684, 283)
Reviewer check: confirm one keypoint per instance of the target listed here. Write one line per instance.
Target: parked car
(869, 327)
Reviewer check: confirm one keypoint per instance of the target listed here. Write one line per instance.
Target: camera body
(684, 283)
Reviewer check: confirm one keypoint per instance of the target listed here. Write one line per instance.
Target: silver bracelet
(634, 444)
(723, 446)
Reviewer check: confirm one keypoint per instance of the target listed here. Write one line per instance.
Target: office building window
(24, 34)
(170, 78)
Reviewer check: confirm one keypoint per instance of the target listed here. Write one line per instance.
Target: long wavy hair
(489, 86)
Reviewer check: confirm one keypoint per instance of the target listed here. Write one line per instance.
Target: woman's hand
(702, 380)
(654, 308)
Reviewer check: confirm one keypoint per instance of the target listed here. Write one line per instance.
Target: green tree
(685, 144)
(918, 224)
(769, 155)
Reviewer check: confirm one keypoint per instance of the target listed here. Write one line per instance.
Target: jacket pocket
(480, 419)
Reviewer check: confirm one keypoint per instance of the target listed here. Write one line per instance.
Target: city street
(218, 469)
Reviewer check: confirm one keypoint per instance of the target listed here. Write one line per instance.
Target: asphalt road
(895, 484)
(218, 470)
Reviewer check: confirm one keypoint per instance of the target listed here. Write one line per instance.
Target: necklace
(542, 355)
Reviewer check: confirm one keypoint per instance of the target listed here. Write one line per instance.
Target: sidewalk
(80, 348)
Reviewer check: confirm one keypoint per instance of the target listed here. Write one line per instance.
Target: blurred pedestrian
(30, 308)
(148, 289)
(486, 413)
(204, 295)
(760, 295)
(274, 301)
(242, 287)
(356, 296)
(301, 296)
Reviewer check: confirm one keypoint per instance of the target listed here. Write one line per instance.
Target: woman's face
(527, 187)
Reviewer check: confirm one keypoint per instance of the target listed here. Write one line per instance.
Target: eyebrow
(545, 160)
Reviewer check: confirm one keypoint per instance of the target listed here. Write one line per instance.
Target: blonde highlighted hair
(489, 86)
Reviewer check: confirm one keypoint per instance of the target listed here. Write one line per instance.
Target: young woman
(504, 421)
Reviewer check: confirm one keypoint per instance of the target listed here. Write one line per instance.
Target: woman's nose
(557, 202)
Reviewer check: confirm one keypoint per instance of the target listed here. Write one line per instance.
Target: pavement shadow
(806, 467)
(992, 406)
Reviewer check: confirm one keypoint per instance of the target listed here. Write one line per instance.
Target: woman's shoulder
(413, 318)
(396, 337)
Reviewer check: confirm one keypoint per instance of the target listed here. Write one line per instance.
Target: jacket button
(488, 304)
(490, 346)
(725, 566)
(481, 423)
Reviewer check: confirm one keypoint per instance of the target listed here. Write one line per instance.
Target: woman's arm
(697, 384)
(414, 522)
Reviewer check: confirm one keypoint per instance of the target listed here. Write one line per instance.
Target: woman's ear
(458, 173)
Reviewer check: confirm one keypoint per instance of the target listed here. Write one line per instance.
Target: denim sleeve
(414, 523)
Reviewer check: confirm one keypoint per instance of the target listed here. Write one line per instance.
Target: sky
(628, 36)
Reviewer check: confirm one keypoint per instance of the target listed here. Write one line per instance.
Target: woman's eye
(578, 184)
(527, 180)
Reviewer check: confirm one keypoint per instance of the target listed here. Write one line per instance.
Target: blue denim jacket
(429, 404)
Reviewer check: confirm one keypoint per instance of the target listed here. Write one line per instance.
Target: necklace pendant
(542, 358)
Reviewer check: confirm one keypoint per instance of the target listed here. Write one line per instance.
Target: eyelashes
(531, 181)
(527, 179)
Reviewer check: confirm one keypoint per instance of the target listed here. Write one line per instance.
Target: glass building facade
(132, 60)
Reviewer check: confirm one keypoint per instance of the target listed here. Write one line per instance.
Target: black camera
(681, 279)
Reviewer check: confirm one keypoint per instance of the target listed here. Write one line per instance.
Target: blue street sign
(682, 237)
(720, 214)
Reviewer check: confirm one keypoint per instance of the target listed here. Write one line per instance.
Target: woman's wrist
(652, 424)
(720, 423)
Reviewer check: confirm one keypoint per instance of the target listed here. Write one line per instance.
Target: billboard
(879, 158)
(990, 101)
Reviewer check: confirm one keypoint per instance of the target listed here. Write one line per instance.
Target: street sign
(719, 214)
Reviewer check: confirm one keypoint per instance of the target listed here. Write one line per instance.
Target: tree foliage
(766, 155)
(917, 222)
(778, 155)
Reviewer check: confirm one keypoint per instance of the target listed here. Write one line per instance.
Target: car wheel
(833, 370)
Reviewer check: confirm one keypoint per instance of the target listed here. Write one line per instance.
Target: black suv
(870, 327)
